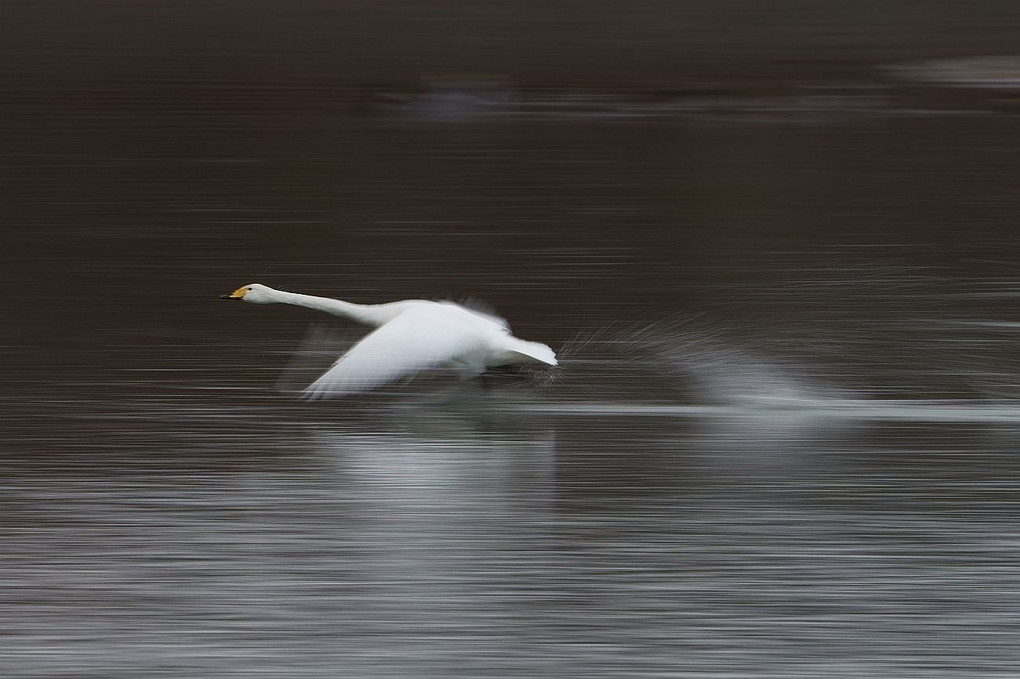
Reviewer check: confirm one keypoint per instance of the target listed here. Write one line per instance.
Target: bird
(410, 336)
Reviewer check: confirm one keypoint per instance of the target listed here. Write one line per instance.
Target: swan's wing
(410, 343)
(481, 309)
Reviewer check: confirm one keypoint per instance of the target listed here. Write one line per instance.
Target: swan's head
(256, 293)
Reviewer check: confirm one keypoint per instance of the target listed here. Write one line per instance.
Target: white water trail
(688, 367)
(690, 359)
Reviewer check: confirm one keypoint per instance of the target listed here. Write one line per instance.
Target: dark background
(780, 267)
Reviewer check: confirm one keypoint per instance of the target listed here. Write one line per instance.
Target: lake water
(783, 441)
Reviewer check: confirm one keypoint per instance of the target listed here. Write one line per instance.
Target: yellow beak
(236, 294)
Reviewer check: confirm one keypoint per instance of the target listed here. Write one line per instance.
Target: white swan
(410, 336)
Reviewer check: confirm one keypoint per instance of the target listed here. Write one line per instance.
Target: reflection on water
(808, 472)
(462, 545)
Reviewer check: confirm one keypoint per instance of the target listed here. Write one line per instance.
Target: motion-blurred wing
(480, 309)
(408, 344)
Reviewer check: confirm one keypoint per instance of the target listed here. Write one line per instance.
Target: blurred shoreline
(969, 85)
(498, 58)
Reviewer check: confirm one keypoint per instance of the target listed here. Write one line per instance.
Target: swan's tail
(534, 352)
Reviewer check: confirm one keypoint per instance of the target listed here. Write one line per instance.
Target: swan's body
(409, 336)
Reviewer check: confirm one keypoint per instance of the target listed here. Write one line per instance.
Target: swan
(410, 336)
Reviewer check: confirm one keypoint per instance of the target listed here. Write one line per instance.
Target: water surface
(783, 442)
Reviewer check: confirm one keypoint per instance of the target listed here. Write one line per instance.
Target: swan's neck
(368, 314)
